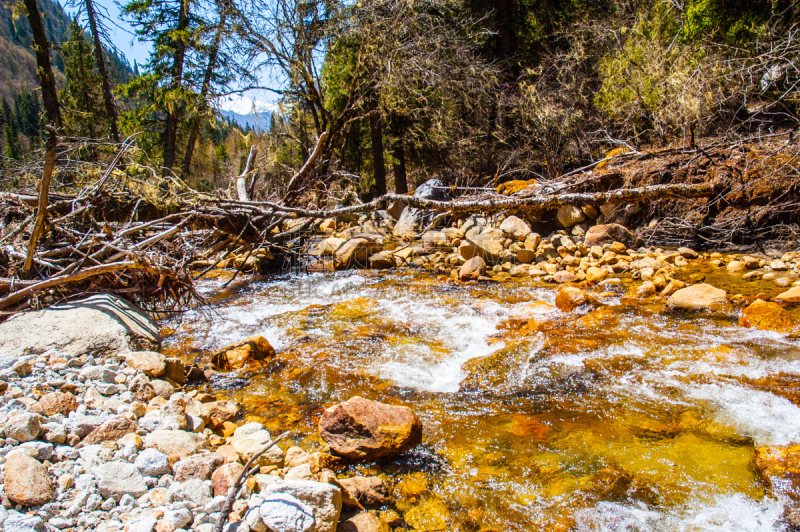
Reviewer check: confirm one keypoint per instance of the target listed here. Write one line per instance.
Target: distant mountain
(259, 121)
(17, 60)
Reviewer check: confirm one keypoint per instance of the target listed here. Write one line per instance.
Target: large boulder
(699, 297)
(250, 351)
(27, 480)
(355, 252)
(360, 429)
(610, 233)
(100, 325)
(414, 220)
(325, 500)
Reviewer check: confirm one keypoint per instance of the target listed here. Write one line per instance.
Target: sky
(124, 38)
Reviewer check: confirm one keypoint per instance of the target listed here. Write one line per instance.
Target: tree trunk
(99, 57)
(44, 70)
(377, 149)
(399, 168)
(194, 129)
(173, 115)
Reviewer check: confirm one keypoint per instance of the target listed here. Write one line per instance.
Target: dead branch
(306, 168)
(44, 189)
(241, 181)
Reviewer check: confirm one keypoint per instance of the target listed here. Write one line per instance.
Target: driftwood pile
(53, 247)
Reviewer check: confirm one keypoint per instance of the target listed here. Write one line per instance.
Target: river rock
(249, 445)
(101, 325)
(196, 492)
(570, 215)
(355, 252)
(225, 477)
(150, 363)
(174, 370)
(250, 351)
(328, 246)
(364, 522)
(111, 430)
(610, 233)
(325, 500)
(414, 220)
(564, 277)
(699, 297)
(736, 266)
(791, 296)
(24, 427)
(153, 463)
(175, 442)
(515, 228)
(284, 513)
(162, 388)
(595, 274)
(472, 269)
(569, 298)
(768, 316)
(58, 403)
(363, 491)
(116, 479)
(27, 481)
(24, 523)
(485, 246)
(360, 429)
(382, 261)
(198, 466)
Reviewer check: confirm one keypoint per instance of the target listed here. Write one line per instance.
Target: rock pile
(112, 442)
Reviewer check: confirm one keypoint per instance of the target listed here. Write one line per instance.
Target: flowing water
(620, 418)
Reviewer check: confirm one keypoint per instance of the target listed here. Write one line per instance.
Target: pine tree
(10, 139)
(82, 99)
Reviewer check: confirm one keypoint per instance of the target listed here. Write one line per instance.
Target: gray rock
(119, 478)
(196, 492)
(39, 450)
(285, 513)
(153, 463)
(324, 499)
(83, 425)
(101, 324)
(413, 220)
(177, 518)
(24, 523)
(144, 524)
(98, 373)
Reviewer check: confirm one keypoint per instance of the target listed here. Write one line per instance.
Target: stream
(620, 418)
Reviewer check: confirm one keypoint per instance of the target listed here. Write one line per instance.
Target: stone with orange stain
(249, 352)
(512, 187)
(569, 298)
(360, 429)
(766, 315)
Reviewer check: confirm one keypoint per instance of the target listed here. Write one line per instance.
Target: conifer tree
(81, 98)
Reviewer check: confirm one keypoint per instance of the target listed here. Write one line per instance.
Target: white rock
(324, 499)
(24, 523)
(196, 492)
(284, 513)
(247, 429)
(153, 463)
(119, 478)
(249, 445)
(144, 524)
(102, 324)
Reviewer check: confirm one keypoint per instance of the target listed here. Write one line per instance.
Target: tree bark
(44, 69)
(173, 114)
(44, 190)
(399, 168)
(99, 57)
(377, 149)
(194, 129)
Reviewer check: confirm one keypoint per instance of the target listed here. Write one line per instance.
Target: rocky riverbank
(96, 436)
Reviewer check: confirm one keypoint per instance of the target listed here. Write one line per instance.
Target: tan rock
(382, 261)
(570, 298)
(766, 316)
(328, 246)
(328, 225)
(532, 242)
(486, 247)
(791, 296)
(296, 456)
(515, 228)
(525, 256)
(218, 412)
(360, 429)
(225, 477)
(175, 442)
(699, 297)
(609, 233)
(595, 275)
(646, 289)
(150, 363)
(569, 215)
(673, 286)
(199, 466)
(355, 252)
(112, 430)
(27, 481)
(472, 269)
(251, 351)
(688, 253)
(174, 370)
(58, 403)
(565, 277)
(736, 266)
(364, 522)
(367, 492)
